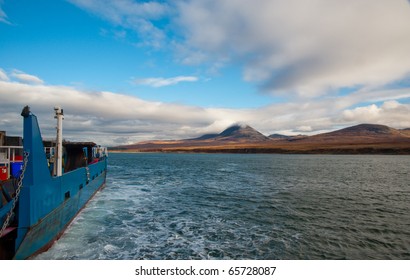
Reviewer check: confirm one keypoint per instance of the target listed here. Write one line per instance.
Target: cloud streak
(26, 78)
(3, 16)
(163, 82)
(131, 15)
(3, 75)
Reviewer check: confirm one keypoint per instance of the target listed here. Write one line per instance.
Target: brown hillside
(360, 139)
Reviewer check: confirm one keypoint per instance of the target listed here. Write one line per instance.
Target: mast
(59, 142)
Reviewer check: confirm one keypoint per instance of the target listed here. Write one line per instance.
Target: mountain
(278, 136)
(239, 133)
(361, 130)
(205, 137)
(235, 134)
(359, 139)
(405, 131)
(364, 130)
(362, 133)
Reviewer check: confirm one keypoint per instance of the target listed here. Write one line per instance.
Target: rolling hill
(236, 133)
(362, 133)
(359, 139)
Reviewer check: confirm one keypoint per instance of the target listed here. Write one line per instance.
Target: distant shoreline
(361, 150)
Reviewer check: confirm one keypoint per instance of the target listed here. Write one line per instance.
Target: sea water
(245, 206)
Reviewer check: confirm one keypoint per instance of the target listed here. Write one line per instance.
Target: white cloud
(102, 116)
(390, 113)
(26, 78)
(306, 47)
(3, 75)
(304, 128)
(293, 47)
(162, 82)
(366, 114)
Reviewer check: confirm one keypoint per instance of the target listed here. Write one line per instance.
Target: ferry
(43, 186)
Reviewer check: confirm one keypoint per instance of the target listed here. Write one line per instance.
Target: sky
(126, 71)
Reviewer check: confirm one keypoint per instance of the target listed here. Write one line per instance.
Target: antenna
(58, 170)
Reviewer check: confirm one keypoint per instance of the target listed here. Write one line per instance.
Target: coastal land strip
(360, 139)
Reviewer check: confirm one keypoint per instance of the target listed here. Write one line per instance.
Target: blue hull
(42, 235)
(46, 204)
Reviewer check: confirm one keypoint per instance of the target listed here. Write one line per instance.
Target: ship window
(67, 195)
(81, 186)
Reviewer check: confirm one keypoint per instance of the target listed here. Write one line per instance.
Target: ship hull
(50, 191)
(47, 230)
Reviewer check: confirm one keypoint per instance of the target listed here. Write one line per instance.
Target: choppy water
(223, 206)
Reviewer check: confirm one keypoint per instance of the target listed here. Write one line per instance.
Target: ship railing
(11, 161)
